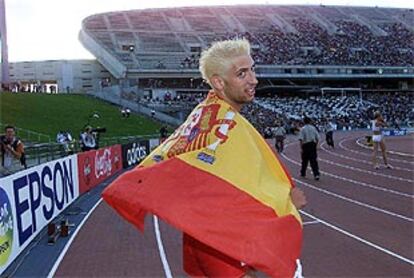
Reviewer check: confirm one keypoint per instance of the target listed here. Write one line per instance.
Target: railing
(44, 152)
(29, 135)
(108, 141)
(136, 107)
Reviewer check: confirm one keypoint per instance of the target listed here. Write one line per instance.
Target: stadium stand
(297, 49)
(291, 35)
(348, 112)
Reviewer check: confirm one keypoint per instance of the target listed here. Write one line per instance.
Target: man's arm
(19, 150)
(301, 138)
(317, 136)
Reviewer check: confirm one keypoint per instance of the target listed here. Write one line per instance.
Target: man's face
(240, 82)
(10, 133)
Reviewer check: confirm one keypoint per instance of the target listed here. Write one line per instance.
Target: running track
(358, 222)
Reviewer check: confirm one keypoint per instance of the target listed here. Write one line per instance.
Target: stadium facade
(295, 47)
(63, 76)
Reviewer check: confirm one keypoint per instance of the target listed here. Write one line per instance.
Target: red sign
(97, 165)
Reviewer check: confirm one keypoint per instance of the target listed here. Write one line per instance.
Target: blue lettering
(21, 207)
(68, 181)
(55, 186)
(34, 180)
(58, 168)
(47, 192)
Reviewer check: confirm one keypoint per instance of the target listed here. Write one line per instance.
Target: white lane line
(355, 201)
(163, 256)
(323, 144)
(310, 222)
(360, 183)
(69, 243)
(358, 141)
(382, 249)
(370, 155)
(366, 171)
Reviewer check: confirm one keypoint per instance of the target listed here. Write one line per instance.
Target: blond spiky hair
(217, 59)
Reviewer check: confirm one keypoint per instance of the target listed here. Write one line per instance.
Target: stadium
(331, 64)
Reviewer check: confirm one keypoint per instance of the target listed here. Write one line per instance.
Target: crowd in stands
(185, 100)
(190, 83)
(347, 112)
(397, 109)
(190, 62)
(350, 44)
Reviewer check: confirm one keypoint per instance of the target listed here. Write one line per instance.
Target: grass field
(48, 114)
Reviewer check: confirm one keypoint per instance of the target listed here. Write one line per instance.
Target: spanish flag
(217, 180)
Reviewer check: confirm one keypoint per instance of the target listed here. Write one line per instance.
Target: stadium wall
(78, 76)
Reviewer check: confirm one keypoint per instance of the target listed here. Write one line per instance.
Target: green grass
(48, 114)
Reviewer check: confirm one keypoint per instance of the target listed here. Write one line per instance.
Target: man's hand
(9, 148)
(298, 197)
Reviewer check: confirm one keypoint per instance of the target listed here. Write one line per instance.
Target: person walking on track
(309, 138)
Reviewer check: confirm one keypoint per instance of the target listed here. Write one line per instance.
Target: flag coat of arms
(216, 179)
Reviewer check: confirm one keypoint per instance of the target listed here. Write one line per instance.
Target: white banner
(30, 199)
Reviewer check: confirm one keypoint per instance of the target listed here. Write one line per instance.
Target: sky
(48, 29)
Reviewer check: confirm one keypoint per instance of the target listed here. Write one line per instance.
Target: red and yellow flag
(216, 179)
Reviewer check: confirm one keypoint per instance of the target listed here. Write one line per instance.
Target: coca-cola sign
(96, 166)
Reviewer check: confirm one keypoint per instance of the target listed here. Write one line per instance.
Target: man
(87, 140)
(330, 127)
(309, 139)
(280, 135)
(12, 152)
(211, 139)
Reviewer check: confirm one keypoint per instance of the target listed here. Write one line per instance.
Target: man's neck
(223, 96)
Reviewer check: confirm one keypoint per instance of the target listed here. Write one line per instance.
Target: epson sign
(134, 153)
(43, 193)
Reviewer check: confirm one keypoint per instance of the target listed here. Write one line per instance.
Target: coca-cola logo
(136, 154)
(117, 159)
(103, 164)
(87, 170)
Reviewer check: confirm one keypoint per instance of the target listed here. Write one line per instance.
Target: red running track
(358, 223)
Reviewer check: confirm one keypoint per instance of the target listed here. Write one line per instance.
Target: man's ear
(217, 83)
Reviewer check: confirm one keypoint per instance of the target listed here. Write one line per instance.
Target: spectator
(65, 139)
(87, 139)
(12, 152)
(125, 112)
